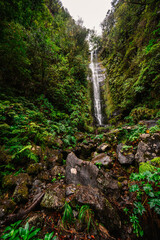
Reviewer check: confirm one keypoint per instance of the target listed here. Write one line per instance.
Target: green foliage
(99, 136)
(147, 192)
(44, 53)
(24, 125)
(136, 226)
(67, 215)
(99, 165)
(146, 166)
(85, 216)
(13, 232)
(126, 148)
(131, 135)
(130, 52)
(58, 177)
(156, 128)
(141, 113)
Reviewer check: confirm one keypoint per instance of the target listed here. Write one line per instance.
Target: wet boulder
(23, 180)
(148, 147)
(106, 213)
(80, 172)
(126, 159)
(37, 150)
(44, 176)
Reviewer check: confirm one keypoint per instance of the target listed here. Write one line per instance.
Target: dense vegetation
(45, 113)
(43, 75)
(130, 52)
(43, 51)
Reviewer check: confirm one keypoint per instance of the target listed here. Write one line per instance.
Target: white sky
(92, 12)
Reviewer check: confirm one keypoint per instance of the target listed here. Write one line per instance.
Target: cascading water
(97, 77)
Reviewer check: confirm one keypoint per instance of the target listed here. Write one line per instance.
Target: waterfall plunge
(97, 77)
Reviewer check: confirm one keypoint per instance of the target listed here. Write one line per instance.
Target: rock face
(80, 172)
(148, 148)
(102, 159)
(124, 159)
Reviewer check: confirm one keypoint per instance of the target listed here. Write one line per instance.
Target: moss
(156, 161)
(146, 166)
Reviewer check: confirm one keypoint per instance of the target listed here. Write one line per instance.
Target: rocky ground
(96, 173)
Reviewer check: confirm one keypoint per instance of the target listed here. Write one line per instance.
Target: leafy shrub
(13, 232)
(131, 135)
(147, 189)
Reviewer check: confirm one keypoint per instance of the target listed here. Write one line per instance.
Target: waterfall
(97, 77)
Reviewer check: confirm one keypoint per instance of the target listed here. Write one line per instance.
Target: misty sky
(92, 12)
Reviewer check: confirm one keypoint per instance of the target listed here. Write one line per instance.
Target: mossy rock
(141, 113)
(9, 181)
(21, 193)
(34, 169)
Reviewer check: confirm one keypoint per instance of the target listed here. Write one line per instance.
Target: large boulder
(80, 172)
(106, 213)
(148, 147)
(126, 159)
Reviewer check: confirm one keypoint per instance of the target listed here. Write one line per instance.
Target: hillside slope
(131, 54)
